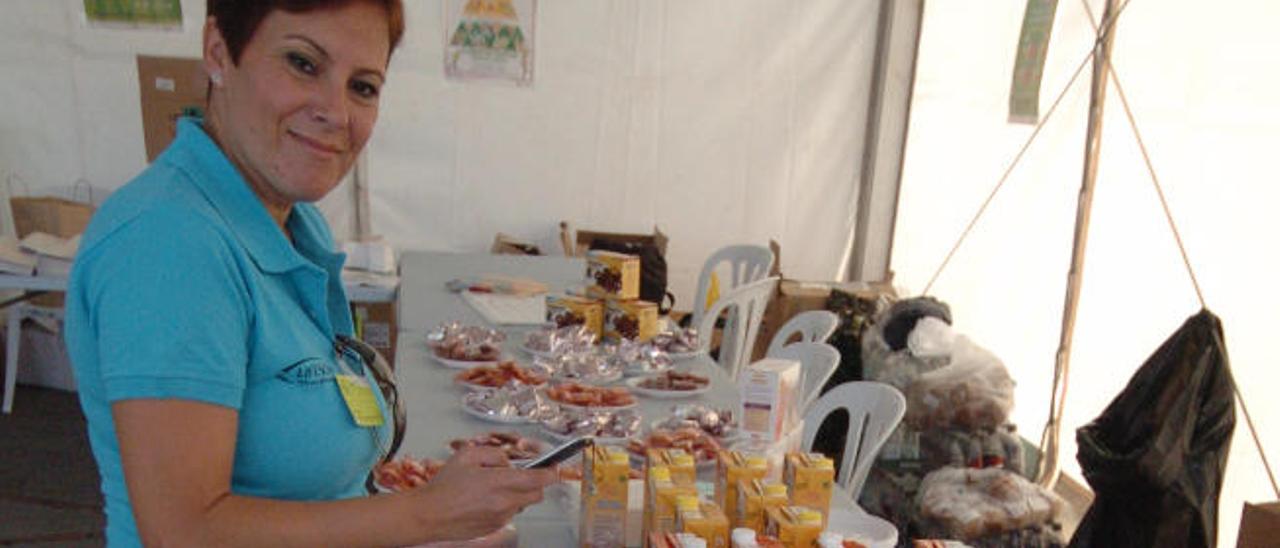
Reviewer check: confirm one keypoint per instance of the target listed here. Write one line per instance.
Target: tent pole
(363, 232)
(1049, 446)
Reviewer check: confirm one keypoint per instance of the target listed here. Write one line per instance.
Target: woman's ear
(217, 59)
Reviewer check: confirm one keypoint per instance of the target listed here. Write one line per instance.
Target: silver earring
(216, 78)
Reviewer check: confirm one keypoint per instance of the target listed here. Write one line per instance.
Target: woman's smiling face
(299, 106)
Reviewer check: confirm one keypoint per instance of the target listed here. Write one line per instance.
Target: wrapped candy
(636, 359)
(716, 422)
(514, 402)
(564, 340)
(680, 341)
(454, 341)
(608, 424)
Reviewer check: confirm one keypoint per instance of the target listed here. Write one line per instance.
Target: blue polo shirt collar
(230, 194)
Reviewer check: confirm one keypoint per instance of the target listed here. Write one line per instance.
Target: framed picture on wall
(489, 40)
(164, 14)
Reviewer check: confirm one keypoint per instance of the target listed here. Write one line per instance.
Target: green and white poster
(1028, 66)
(134, 13)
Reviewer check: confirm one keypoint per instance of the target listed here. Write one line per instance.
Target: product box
(794, 526)
(809, 478)
(613, 275)
(376, 325)
(633, 320)
(169, 88)
(754, 497)
(660, 501)
(732, 468)
(703, 519)
(603, 512)
(769, 390)
(564, 310)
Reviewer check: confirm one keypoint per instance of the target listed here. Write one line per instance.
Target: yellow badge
(360, 400)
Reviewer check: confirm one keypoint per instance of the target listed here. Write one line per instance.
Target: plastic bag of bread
(969, 503)
(973, 391)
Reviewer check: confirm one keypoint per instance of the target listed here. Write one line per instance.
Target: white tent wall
(720, 122)
(1208, 114)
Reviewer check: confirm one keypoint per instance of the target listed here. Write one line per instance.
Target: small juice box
(683, 469)
(794, 526)
(565, 310)
(732, 468)
(603, 515)
(634, 320)
(613, 275)
(660, 506)
(755, 496)
(703, 519)
(809, 478)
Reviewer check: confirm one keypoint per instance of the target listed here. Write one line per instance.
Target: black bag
(653, 270)
(1156, 455)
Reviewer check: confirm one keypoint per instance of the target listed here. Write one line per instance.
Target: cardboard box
(576, 243)
(1259, 525)
(612, 275)
(769, 390)
(376, 325)
(794, 296)
(732, 468)
(633, 320)
(563, 310)
(169, 87)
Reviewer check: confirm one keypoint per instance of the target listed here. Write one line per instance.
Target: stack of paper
(53, 254)
(13, 260)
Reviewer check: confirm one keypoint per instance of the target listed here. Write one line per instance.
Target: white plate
(685, 356)
(561, 438)
(593, 381)
(593, 408)
(461, 364)
(494, 418)
(863, 527)
(725, 442)
(537, 353)
(480, 387)
(634, 384)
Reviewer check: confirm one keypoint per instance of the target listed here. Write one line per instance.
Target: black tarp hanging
(1155, 457)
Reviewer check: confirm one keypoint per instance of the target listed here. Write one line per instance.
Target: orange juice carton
(565, 310)
(634, 320)
(613, 275)
(675, 540)
(731, 468)
(704, 519)
(809, 478)
(660, 505)
(794, 526)
(755, 496)
(604, 498)
(769, 390)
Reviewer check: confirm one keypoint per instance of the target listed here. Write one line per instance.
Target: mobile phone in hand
(561, 453)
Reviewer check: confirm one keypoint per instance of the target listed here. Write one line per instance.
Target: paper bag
(1259, 525)
(60, 217)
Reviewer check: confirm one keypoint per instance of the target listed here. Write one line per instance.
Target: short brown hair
(237, 20)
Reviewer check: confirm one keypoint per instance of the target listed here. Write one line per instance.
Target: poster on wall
(489, 40)
(165, 14)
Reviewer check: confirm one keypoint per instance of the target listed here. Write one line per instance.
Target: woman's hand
(477, 492)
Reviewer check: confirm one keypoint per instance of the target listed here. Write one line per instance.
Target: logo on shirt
(308, 371)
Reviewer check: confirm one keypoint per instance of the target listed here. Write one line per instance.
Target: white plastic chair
(745, 306)
(811, 325)
(818, 362)
(874, 411)
(747, 263)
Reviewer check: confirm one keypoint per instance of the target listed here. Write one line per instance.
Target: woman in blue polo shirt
(206, 300)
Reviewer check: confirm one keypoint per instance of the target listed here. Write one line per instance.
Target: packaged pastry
(809, 478)
(704, 519)
(613, 275)
(732, 468)
(566, 310)
(603, 518)
(794, 526)
(755, 496)
(632, 320)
